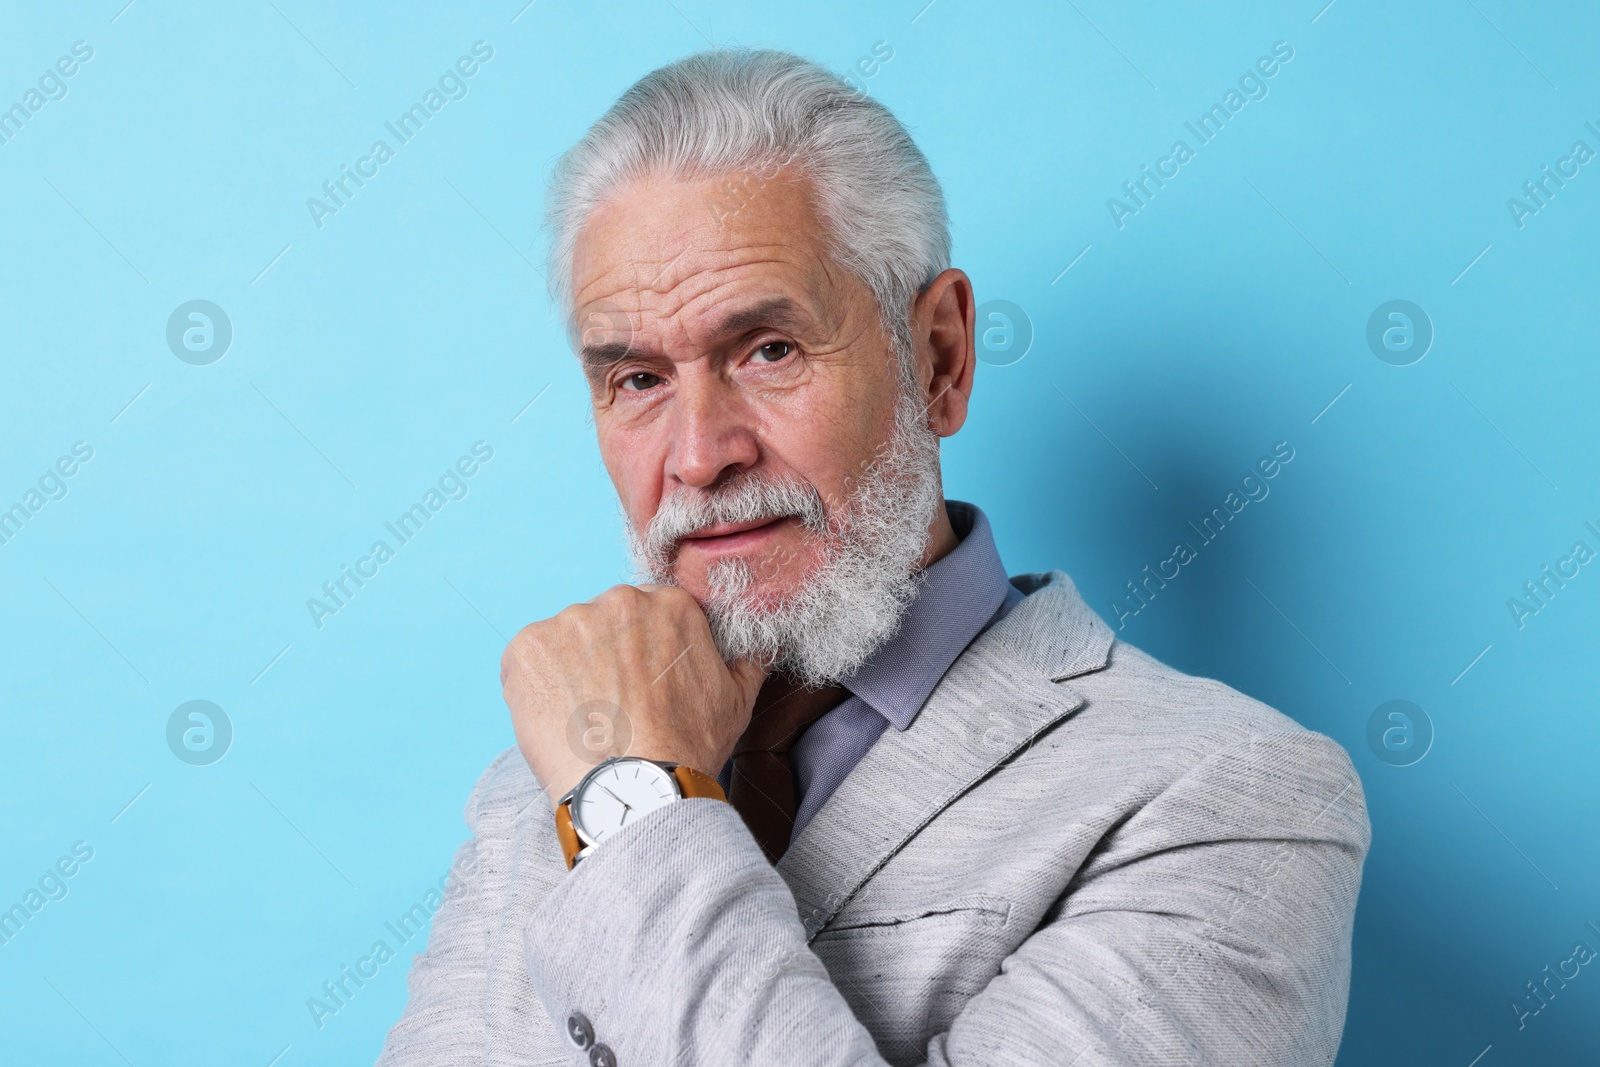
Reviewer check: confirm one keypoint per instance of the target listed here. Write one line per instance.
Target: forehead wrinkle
(694, 315)
(610, 288)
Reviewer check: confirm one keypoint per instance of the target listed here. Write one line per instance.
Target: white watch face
(619, 792)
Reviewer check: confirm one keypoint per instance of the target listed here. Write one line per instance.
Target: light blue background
(370, 353)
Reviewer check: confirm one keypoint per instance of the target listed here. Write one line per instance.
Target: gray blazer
(1074, 855)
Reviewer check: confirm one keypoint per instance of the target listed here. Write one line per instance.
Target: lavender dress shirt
(963, 593)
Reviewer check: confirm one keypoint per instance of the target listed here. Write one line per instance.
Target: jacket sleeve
(1216, 930)
(443, 1024)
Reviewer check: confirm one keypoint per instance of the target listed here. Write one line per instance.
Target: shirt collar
(960, 595)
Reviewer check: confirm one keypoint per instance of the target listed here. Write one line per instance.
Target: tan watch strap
(691, 783)
(566, 834)
(695, 784)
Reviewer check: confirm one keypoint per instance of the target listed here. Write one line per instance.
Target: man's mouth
(735, 536)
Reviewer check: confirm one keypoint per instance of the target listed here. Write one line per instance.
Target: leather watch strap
(695, 784)
(567, 834)
(691, 783)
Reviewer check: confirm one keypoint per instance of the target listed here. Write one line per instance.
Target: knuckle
(570, 620)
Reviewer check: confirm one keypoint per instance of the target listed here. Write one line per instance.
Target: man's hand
(648, 650)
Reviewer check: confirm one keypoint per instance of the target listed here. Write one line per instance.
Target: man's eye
(772, 351)
(638, 383)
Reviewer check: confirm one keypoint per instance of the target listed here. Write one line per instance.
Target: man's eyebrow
(778, 312)
(597, 357)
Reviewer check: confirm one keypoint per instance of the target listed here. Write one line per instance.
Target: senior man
(867, 799)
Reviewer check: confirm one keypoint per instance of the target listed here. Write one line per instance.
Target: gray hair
(739, 110)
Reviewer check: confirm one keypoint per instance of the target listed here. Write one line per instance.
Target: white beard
(867, 576)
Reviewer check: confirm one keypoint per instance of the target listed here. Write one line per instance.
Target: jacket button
(580, 1030)
(602, 1056)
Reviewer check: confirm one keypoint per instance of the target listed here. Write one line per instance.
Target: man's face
(720, 342)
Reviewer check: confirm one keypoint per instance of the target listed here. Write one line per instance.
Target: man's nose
(713, 431)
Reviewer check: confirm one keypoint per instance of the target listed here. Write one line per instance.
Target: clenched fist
(648, 650)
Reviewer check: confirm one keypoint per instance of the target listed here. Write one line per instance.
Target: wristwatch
(620, 791)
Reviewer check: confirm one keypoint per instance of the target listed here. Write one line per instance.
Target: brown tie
(762, 787)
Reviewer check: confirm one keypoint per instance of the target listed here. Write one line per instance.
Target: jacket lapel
(997, 697)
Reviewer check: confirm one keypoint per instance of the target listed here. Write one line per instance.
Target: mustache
(749, 499)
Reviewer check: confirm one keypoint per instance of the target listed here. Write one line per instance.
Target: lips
(728, 529)
(726, 539)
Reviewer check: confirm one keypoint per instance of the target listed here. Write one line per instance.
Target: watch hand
(618, 799)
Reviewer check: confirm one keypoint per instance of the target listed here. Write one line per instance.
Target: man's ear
(943, 318)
